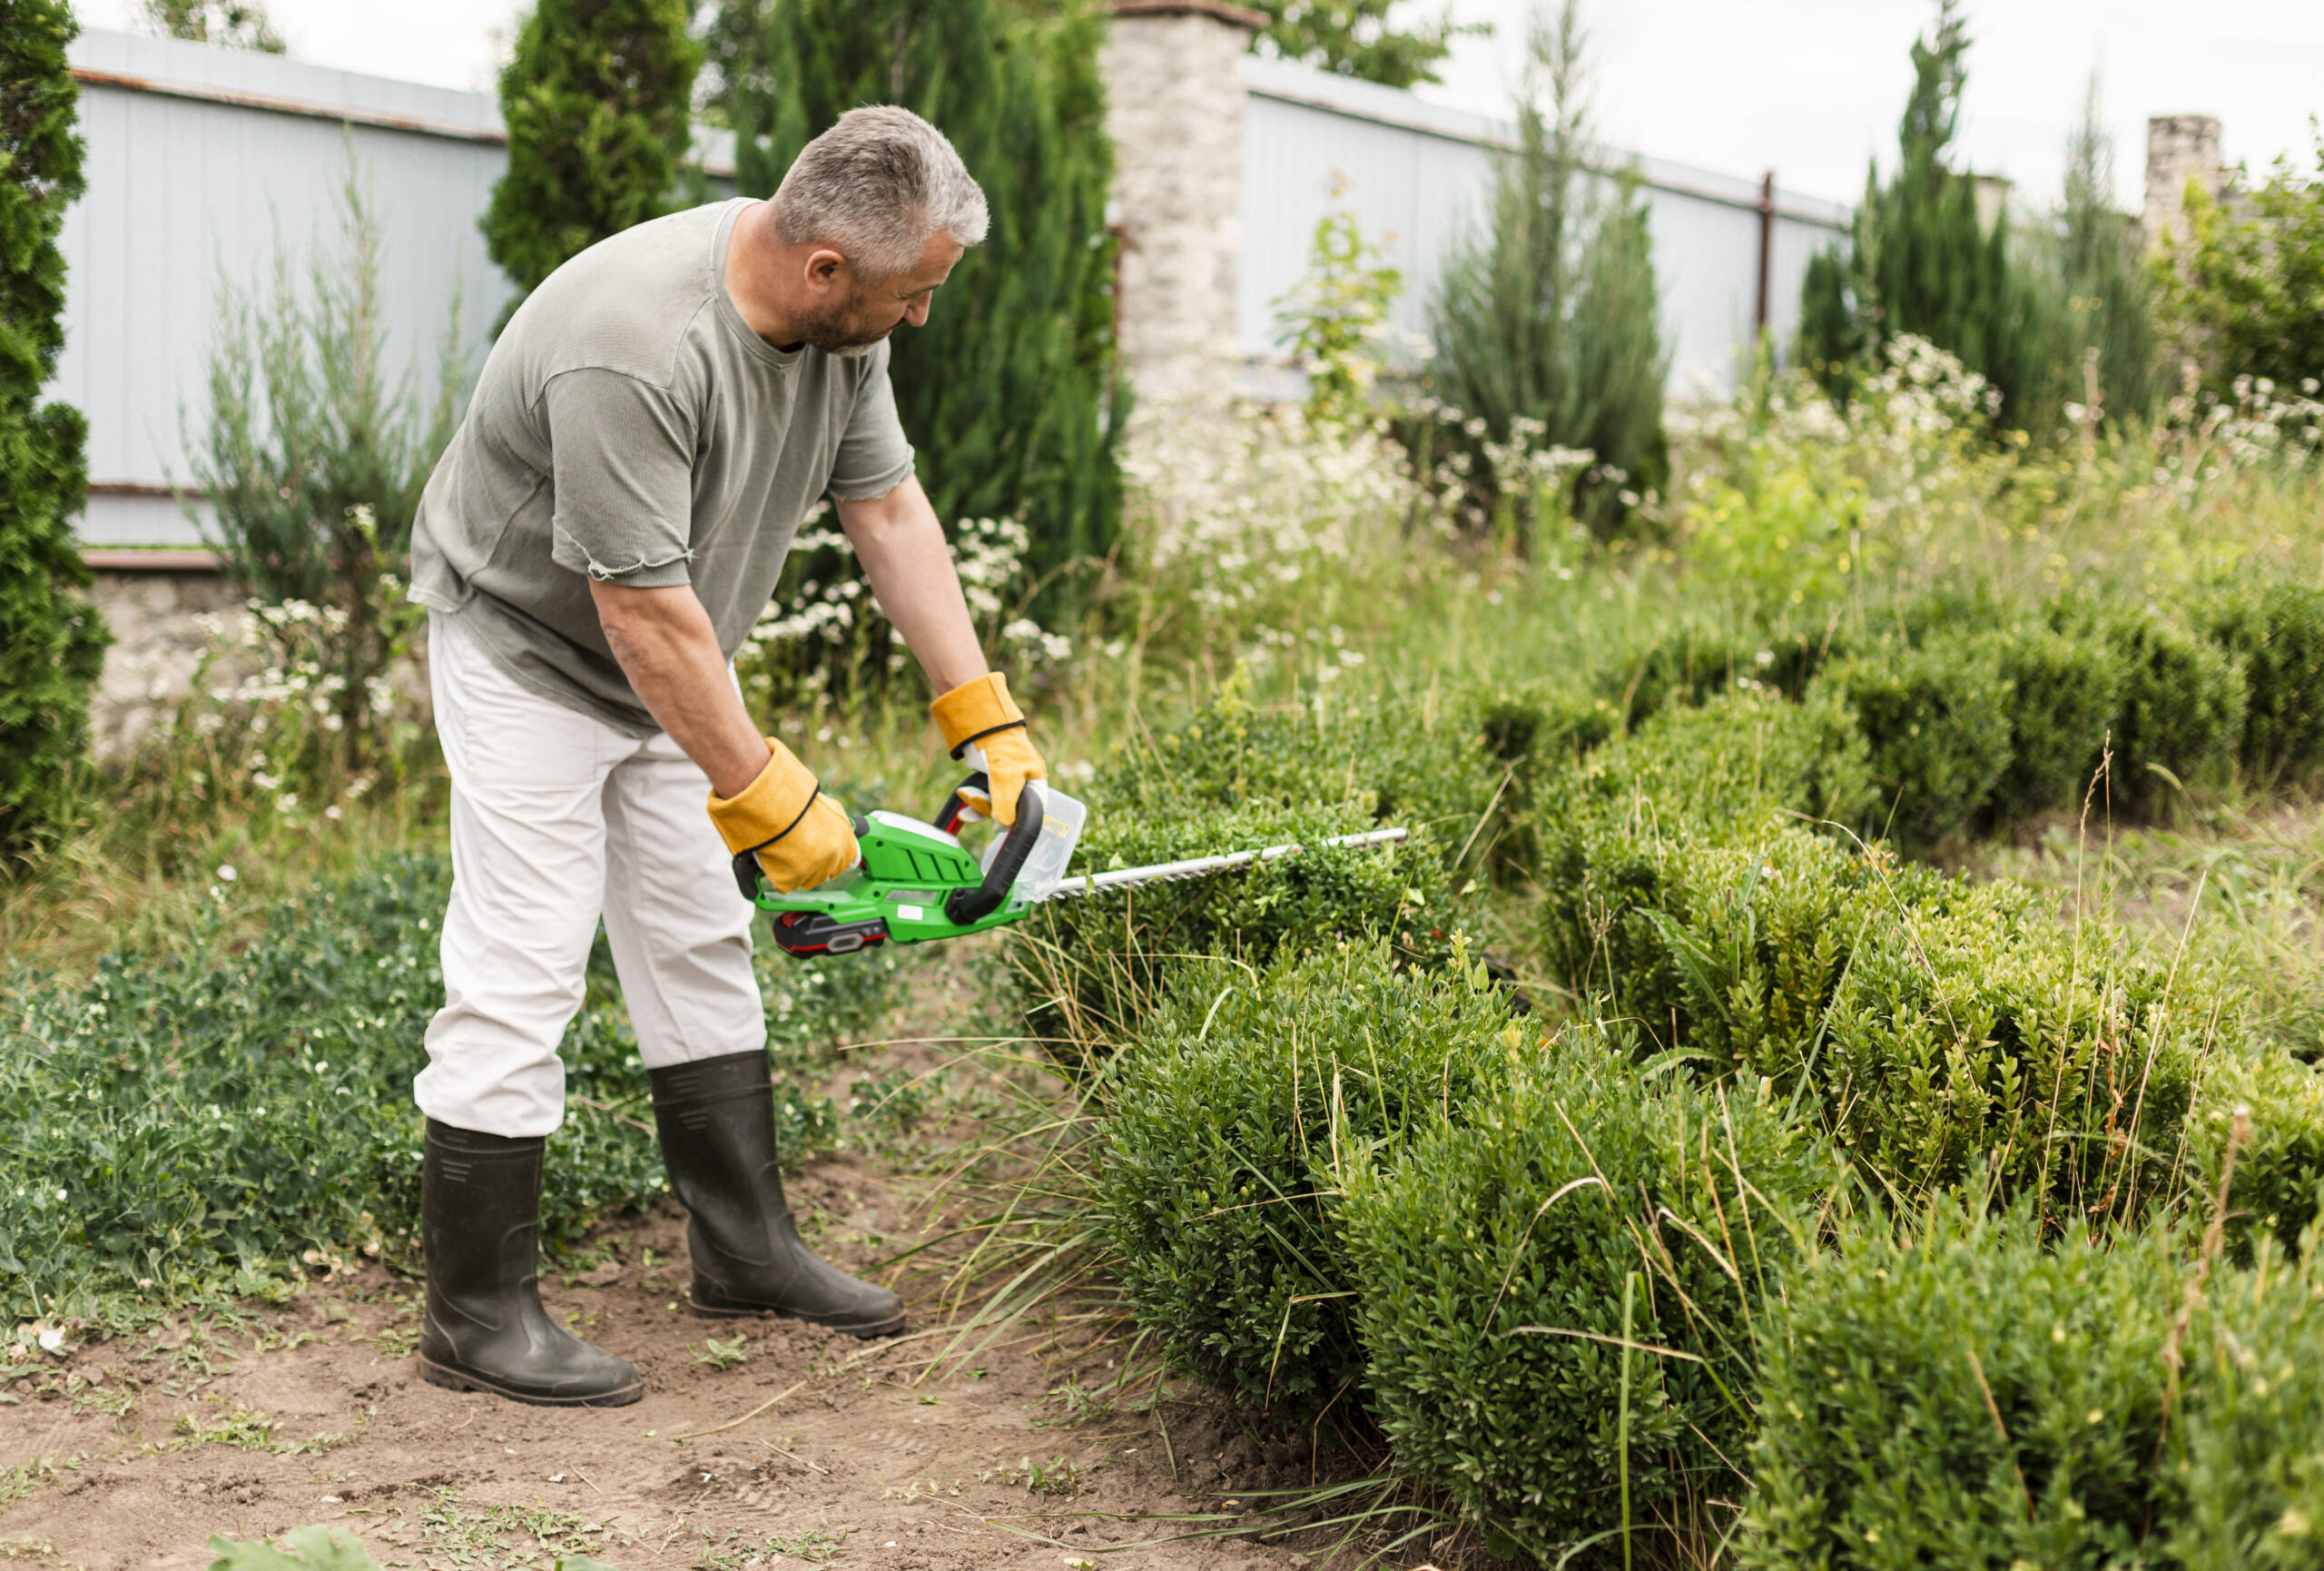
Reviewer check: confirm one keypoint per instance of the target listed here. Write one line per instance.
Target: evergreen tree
(1007, 392)
(52, 640)
(597, 99)
(2089, 317)
(1919, 260)
(1552, 317)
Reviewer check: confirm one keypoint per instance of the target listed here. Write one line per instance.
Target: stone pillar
(2178, 148)
(158, 642)
(1174, 87)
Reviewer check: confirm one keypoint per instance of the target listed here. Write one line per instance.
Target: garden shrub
(2276, 630)
(1981, 1395)
(1695, 661)
(2279, 1157)
(2249, 1483)
(1937, 718)
(2063, 695)
(1497, 1262)
(1929, 1021)
(2180, 713)
(184, 1125)
(1231, 1131)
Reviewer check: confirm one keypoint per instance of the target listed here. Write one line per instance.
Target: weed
(720, 1355)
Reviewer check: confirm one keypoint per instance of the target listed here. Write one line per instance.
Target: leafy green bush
(1930, 1020)
(1937, 720)
(2279, 1153)
(1563, 1295)
(2276, 630)
(2250, 1486)
(1977, 1395)
(185, 1125)
(2180, 713)
(1236, 778)
(2063, 693)
(1233, 1127)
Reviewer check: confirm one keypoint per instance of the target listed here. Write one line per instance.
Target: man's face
(869, 313)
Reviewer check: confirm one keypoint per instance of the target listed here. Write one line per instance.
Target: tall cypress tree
(52, 640)
(1919, 260)
(1008, 392)
(597, 99)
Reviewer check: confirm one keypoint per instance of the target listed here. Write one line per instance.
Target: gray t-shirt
(630, 426)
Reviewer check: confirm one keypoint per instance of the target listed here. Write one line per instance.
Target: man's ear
(823, 268)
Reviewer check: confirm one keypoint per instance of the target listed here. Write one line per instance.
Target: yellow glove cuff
(975, 710)
(770, 806)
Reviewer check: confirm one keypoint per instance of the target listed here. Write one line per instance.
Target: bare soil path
(804, 1447)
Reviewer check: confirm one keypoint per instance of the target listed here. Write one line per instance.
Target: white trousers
(557, 817)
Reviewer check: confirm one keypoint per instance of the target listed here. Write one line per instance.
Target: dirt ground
(806, 1448)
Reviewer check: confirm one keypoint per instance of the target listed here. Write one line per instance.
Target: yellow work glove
(983, 727)
(801, 836)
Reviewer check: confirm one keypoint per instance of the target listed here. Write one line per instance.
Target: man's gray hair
(876, 186)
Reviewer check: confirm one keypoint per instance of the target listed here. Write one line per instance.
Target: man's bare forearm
(901, 546)
(669, 651)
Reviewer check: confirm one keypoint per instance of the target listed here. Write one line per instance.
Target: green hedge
(1506, 1260)
(2248, 1475)
(187, 1124)
(1930, 1020)
(1980, 1396)
(1936, 717)
(1231, 1131)
(2275, 629)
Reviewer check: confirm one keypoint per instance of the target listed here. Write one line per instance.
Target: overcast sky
(1809, 88)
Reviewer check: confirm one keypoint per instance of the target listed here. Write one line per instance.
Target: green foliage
(1008, 390)
(300, 1549)
(2063, 696)
(1937, 720)
(2092, 296)
(2245, 297)
(2274, 629)
(1361, 38)
(1928, 1021)
(313, 457)
(186, 1124)
(1975, 1396)
(2250, 1490)
(51, 641)
(1232, 1130)
(229, 23)
(1546, 325)
(2180, 714)
(1332, 319)
(596, 96)
(1918, 260)
(1507, 1260)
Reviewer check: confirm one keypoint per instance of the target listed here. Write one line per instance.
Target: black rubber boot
(481, 1223)
(716, 1118)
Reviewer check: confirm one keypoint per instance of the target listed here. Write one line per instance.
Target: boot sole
(703, 1312)
(453, 1379)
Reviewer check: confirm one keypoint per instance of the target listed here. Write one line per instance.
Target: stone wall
(2178, 148)
(158, 640)
(1173, 71)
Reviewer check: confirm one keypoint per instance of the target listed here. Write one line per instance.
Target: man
(609, 521)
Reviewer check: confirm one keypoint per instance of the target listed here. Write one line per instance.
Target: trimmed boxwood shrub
(1980, 1394)
(1930, 1020)
(2275, 628)
(1094, 969)
(1233, 1126)
(2063, 695)
(2180, 712)
(2250, 1476)
(2279, 1163)
(1937, 718)
(1495, 1260)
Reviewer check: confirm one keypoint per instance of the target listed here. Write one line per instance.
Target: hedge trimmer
(917, 882)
